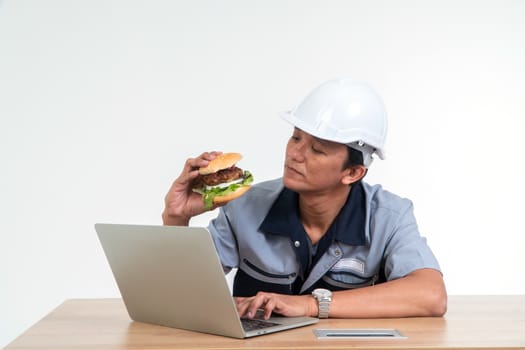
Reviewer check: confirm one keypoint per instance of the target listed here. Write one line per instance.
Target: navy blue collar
(348, 227)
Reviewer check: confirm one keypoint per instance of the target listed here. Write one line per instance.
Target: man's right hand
(181, 203)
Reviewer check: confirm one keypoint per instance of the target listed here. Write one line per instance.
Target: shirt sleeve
(225, 241)
(407, 250)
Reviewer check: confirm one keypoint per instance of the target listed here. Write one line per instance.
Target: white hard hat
(346, 111)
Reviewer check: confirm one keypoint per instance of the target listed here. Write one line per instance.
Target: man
(319, 241)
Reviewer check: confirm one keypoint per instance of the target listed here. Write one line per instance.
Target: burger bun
(231, 196)
(222, 161)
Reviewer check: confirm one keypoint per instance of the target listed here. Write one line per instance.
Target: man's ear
(353, 174)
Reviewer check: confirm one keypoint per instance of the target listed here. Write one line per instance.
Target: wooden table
(472, 322)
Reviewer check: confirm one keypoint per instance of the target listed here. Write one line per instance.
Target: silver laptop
(172, 276)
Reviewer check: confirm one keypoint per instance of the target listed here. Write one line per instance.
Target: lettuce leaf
(209, 194)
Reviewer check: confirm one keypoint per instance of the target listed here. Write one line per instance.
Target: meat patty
(222, 176)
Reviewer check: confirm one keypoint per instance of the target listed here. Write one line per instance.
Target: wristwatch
(324, 298)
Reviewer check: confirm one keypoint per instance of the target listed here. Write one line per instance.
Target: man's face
(313, 164)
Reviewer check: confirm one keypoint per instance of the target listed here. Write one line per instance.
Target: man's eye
(295, 138)
(315, 150)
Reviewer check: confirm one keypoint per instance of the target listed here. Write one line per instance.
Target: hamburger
(222, 181)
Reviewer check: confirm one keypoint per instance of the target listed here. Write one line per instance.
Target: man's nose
(297, 151)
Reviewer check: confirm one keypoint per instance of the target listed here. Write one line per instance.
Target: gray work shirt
(374, 238)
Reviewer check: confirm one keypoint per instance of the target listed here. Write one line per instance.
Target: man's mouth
(292, 169)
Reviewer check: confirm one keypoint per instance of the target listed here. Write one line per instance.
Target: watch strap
(324, 307)
(324, 298)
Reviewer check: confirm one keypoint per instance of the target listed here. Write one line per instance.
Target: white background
(101, 102)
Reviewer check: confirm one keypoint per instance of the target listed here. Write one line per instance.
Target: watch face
(320, 292)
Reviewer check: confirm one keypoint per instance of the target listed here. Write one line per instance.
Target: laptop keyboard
(254, 324)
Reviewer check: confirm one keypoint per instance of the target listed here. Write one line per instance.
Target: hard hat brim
(298, 123)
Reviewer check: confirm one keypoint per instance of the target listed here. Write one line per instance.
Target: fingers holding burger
(221, 180)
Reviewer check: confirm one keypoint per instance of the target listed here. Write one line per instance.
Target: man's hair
(355, 158)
